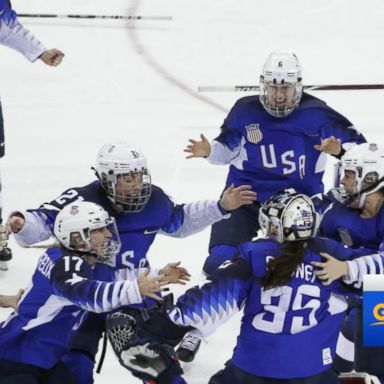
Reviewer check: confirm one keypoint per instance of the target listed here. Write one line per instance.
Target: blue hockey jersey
(347, 226)
(273, 153)
(55, 304)
(281, 327)
(137, 230)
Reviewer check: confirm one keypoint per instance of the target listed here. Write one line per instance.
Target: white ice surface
(138, 80)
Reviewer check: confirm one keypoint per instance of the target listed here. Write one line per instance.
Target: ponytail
(281, 268)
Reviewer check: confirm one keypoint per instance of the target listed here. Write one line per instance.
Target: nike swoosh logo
(146, 232)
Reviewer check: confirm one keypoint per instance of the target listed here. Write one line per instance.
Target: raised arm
(193, 217)
(35, 225)
(14, 35)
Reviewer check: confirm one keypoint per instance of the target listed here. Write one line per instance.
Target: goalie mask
(280, 84)
(87, 227)
(359, 174)
(124, 175)
(288, 216)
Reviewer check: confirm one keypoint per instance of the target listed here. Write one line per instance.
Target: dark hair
(281, 268)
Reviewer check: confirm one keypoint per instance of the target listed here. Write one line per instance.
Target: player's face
(99, 240)
(128, 186)
(280, 96)
(349, 181)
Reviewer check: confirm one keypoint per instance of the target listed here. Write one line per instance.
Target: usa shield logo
(254, 135)
(345, 236)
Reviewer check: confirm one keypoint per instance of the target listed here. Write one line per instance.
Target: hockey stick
(256, 88)
(5, 252)
(41, 246)
(114, 17)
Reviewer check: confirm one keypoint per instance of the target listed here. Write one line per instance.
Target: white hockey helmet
(288, 216)
(75, 227)
(124, 175)
(280, 84)
(366, 161)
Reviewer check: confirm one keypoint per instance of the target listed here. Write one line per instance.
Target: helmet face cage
(359, 174)
(109, 247)
(130, 191)
(288, 216)
(124, 176)
(291, 103)
(280, 84)
(87, 227)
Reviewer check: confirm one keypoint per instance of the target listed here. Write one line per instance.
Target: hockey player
(277, 139)
(291, 320)
(141, 209)
(63, 289)
(353, 214)
(14, 35)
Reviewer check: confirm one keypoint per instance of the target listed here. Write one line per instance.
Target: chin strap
(361, 195)
(96, 173)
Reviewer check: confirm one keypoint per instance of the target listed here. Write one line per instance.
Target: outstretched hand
(175, 274)
(330, 270)
(11, 301)
(200, 148)
(234, 198)
(330, 145)
(149, 286)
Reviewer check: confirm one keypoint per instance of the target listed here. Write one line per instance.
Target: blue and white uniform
(271, 154)
(281, 327)
(56, 302)
(15, 36)
(137, 230)
(366, 235)
(346, 225)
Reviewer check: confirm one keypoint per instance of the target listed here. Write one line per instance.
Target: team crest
(254, 135)
(345, 236)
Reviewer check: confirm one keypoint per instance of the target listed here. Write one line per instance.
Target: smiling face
(280, 96)
(128, 186)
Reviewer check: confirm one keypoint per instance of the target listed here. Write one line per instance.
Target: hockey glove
(143, 341)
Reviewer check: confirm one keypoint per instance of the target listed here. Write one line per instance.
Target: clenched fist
(15, 223)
